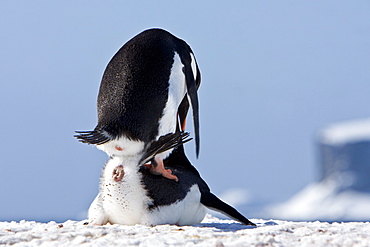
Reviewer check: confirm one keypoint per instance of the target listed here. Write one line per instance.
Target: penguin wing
(96, 137)
(213, 202)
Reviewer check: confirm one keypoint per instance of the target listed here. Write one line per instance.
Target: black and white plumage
(139, 197)
(145, 93)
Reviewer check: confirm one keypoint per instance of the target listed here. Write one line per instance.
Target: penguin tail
(213, 202)
(164, 143)
(95, 137)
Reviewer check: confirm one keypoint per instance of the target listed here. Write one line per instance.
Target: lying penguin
(130, 194)
(144, 94)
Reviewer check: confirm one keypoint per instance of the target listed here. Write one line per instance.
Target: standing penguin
(144, 94)
(130, 194)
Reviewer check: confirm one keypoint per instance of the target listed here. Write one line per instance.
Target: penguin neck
(124, 199)
(129, 162)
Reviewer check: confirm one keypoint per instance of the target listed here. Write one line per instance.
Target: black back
(134, 87)
(166, 191)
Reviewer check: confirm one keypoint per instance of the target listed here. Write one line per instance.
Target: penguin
(130, 194)
(145, 92)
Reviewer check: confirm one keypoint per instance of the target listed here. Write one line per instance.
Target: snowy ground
(211, 232)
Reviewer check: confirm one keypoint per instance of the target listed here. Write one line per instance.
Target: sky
(273, 74)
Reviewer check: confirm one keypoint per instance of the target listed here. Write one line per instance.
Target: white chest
(125, 201)
(176, 92)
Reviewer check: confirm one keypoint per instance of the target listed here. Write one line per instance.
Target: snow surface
(345, 132)
(211, 232)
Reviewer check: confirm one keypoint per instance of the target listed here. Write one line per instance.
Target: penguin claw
(158, 167)
(168, 174)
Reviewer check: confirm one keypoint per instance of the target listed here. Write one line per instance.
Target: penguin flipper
(96, 137)
(213, 202)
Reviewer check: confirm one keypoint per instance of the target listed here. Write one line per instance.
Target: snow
(346, 132)
(211, 232)
(325, 201)
(343, 190)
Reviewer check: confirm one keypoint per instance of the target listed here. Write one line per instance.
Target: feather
(164, 143)
(96, 137)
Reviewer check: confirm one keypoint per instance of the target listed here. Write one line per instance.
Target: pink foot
(157, 168)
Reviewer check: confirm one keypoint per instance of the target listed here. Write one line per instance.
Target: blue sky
(273, 74)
